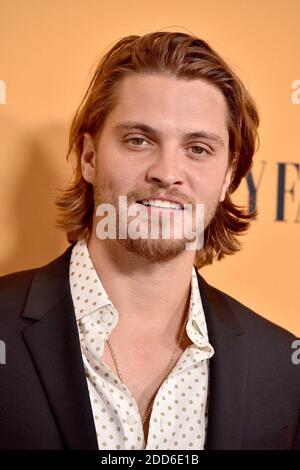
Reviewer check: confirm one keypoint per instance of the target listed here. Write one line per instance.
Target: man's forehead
(158, 103)
(146, 84)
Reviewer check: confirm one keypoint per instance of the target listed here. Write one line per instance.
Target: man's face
(165, 138)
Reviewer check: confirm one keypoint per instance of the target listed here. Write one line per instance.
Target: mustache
(138, 195)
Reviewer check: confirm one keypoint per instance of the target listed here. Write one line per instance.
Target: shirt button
(130, 420)
(105, 317)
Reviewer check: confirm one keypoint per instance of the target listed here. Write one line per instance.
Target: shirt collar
(89, 294)
(87, 290)
(196, 325)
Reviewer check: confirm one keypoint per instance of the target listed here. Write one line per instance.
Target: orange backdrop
(47, 52)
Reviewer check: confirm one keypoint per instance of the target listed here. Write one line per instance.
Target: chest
(143, 369)
(143, 373)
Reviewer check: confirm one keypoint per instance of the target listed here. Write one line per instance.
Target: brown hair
(184, 57)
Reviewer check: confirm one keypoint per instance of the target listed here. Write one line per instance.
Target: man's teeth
(161, 203)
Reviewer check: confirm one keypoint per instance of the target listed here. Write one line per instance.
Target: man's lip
(163, 198)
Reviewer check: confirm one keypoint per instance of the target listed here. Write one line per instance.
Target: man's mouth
(161, 204)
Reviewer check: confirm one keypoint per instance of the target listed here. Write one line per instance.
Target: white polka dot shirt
(178, 419)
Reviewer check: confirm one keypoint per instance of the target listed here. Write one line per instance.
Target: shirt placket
(128, 413)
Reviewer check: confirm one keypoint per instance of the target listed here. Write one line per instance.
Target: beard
(156, 249)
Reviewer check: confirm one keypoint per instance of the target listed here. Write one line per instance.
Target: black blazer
(44, 399)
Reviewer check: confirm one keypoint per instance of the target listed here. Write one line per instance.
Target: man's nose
(165, 169)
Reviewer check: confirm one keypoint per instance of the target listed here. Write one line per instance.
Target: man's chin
(154, 250)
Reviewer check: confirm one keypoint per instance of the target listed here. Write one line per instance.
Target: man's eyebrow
(130, 126)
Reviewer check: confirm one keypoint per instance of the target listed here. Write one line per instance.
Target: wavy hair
(182, 56)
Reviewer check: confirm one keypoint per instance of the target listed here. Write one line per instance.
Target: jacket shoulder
(270, 347)
(14, 289)
(252, 320)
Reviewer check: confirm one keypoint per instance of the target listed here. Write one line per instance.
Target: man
(120, 343)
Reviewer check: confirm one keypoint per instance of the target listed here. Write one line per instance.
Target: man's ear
(226, 183)
(88, 159)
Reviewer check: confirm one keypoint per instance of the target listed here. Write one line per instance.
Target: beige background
(47, 52)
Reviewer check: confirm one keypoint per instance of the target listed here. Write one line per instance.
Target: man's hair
(184, 57)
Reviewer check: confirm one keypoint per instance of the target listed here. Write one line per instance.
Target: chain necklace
(168, 369)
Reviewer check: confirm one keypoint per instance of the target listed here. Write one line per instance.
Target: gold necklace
(168, 369)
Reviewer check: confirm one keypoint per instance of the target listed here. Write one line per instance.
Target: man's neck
(152, 292)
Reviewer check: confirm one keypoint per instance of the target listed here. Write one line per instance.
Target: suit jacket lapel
(228, 371)
(54, 345)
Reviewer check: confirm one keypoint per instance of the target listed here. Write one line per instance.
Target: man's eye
(136, 141)
(199, 150)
